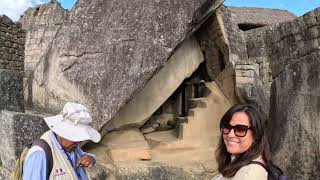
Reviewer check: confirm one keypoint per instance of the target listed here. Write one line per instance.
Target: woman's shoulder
(251, 171)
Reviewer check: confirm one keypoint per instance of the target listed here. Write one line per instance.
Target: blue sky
(297, 7)
(15, 8)
(67, 4)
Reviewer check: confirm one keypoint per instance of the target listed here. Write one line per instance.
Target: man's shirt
(35, 166)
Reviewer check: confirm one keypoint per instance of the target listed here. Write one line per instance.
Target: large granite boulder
(4, 172)
(108, 50)
(19, 129)
(11, 91)
(294, 119)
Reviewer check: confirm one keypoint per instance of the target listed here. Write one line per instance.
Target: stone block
(19, 129)
(244, 66)
(245, 73)
(312, 33)
(298, 37)
(244, 80)
(126, 145)
(226, 82)
(11, 91)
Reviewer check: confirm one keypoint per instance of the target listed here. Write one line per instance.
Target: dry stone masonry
(12, 40)
(42, 24)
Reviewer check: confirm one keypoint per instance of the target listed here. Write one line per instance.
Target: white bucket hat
(73, 123)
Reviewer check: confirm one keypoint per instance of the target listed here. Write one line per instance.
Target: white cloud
(14, 8)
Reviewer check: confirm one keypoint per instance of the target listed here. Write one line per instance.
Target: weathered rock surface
(108, 50)
(152, 170)
(19, 129)
(98, 172)
(4, 173)
(11, 91)
(295, 124)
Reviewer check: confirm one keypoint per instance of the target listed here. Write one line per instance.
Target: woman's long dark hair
(259, 146)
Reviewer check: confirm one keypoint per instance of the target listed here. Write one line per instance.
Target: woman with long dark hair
(243, 140)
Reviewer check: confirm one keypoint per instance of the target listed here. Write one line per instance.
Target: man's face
(67, 145)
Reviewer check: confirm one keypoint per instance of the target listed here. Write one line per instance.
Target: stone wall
(12, 39)
(42, 24)
(226, 48)
(213, 43)
(289, 42)
(292, 50)
(257, 53)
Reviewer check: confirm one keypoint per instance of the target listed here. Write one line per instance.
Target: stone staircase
(200, 129)
(202, 124)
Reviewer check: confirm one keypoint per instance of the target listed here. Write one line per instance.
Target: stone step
(197, 102)
(180, 120)
(194, 112)
(211, 89)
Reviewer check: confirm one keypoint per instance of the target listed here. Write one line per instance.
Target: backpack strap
(259, 163)
(273, 171)
(47, 149)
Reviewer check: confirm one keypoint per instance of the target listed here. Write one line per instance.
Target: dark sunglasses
(239, 130)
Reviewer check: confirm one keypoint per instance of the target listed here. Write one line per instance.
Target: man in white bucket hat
(66, 132)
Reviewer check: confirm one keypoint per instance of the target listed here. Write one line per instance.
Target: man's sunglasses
(239, 130)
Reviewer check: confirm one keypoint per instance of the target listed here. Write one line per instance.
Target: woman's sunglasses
(239, 130)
